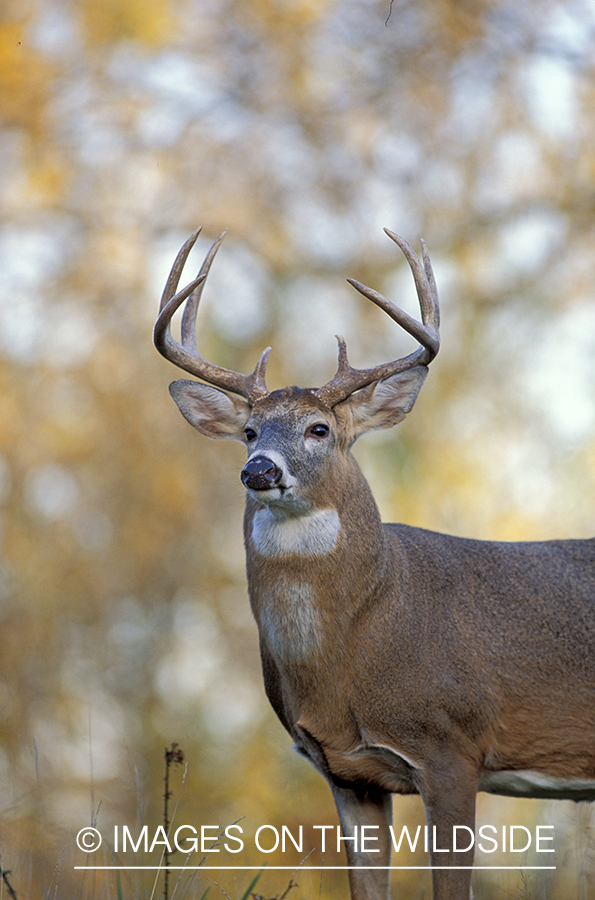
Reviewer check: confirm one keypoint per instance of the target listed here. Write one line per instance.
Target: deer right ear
(211, 411)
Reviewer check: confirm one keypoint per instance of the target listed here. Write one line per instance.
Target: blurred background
(303, 127)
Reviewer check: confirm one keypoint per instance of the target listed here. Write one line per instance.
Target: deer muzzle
(260, 474)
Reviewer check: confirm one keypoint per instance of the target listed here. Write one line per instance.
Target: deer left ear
(384, 403)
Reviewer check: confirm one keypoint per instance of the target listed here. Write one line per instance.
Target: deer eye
(250, 434)
(318, 431)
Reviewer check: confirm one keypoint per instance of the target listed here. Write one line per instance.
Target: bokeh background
(304, 127)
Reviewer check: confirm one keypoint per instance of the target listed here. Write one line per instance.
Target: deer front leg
(365, 816)
(449, 793)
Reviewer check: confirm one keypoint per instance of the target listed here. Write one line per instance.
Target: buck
(398, 659)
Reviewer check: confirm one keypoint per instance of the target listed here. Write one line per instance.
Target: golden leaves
(149, 22)
(25, 78)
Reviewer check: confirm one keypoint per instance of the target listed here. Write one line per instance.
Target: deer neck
(310, 572)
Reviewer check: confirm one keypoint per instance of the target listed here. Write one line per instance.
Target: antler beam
(185, 355)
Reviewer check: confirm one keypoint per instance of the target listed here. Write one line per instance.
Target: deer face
(292, 440)
(297, 446)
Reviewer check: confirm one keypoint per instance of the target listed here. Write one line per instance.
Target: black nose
(260, 473)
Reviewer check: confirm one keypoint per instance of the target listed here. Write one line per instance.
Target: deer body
(401, 660)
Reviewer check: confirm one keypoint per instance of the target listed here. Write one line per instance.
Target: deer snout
(260, 473)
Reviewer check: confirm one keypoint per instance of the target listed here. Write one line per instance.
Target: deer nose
(260, 473)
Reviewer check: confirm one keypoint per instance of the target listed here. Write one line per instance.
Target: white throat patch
(310, 535)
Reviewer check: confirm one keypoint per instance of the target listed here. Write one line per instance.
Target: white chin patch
(309, 535)
(269, 495)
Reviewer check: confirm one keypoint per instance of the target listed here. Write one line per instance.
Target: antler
(185, 355)
(347, 380)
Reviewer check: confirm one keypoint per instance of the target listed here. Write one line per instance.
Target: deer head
(318, 421)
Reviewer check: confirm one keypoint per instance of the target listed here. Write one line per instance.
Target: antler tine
(347, 380)
(425, 284)
(191, 308)
(434, 311)
(185, 355)
(173, 279)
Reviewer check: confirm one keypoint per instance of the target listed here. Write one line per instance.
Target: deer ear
(386, 402)
(211, 411)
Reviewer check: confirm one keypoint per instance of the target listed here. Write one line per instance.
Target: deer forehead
(290, 406)
(284, 416)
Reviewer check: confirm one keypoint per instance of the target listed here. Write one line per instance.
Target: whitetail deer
(398, 659)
